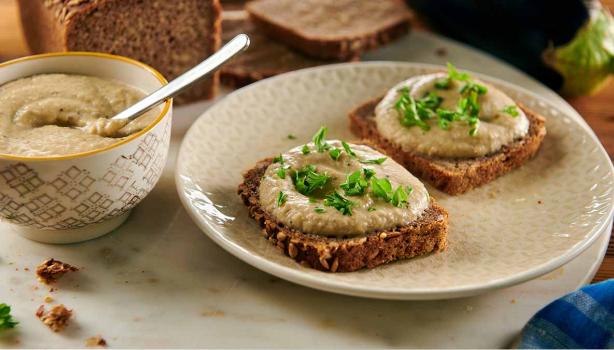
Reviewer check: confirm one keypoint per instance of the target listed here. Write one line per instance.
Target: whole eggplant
(566, 44)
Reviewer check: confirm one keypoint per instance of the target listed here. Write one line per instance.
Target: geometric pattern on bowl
(74, 195)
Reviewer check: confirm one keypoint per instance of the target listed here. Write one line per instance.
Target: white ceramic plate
(520, 226)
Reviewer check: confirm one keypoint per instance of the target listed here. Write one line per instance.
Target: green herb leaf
(381, 188)
(368, 173)
(279, 159)
(399, 198)
(355, 184)
(443, 84)
(340, 203)
(291, 137)
(305, 150)
(454, 74)
(6, 320)
(319, 139)
(312, 200)
(307, 180)
(319, 210)
(281, 198)
(335, 153)
(371, 209)
(281, 172)
(348, 150)
(374, 161)
(511, 110)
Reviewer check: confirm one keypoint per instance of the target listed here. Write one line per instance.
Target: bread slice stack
(290, 34)
(171, 36)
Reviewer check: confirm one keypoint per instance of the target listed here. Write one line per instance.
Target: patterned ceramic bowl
(72, 198)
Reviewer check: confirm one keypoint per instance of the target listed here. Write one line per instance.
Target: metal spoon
(228, 51)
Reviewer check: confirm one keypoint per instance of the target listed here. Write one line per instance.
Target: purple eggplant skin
(517, 31)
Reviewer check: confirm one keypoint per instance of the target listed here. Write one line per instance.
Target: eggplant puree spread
(315, 214)
(499, 121)
(60, 114)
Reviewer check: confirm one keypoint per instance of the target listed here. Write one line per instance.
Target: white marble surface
(160, 282)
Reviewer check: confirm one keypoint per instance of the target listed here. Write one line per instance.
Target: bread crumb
(56, 318)
(50, 270)
(213, 313)
(95, 341)
(441, 51)
(48, 299)
(539, 202)
(513, 301)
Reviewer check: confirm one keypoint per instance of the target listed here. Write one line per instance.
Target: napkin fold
(581, 319)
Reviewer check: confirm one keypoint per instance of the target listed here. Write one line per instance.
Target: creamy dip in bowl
(57, 114)
(67, 173)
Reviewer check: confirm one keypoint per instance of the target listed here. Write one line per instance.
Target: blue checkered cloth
(582, 319)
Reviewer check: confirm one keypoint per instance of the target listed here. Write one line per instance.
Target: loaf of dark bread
(171, 36)
(425, 235)
(331, 29)
(454, 176)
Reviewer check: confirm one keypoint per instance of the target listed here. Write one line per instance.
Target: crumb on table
(50, 270)
(56, 318)
(95, 341)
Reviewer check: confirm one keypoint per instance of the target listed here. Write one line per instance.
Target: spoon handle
(233, 47)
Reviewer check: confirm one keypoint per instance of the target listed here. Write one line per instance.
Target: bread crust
(346, 48)
(425, 235)
(453, 176)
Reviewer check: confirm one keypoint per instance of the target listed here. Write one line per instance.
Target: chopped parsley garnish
(335, 153)
(369, 173)
(319, 210)
(319, 139)
(348, 150)
(374, 161)
(307, 180)
(291, 137)
(355, 184)
(443, 84)
(370, 209)
(416, 112)
(382, 188)
(399, 198)
(305, 150)
(340, 203)
(6, 320)
(511, 110)
(281, 172)
(454, 74)
(281, 198)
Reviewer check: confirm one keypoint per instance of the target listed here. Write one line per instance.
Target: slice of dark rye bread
(453, 176)
(425, 235)
(331, 29)
(264, 58)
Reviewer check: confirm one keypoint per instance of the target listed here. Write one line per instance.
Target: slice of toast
(453, 176)
(331, 29)
(264, 58)
(425, 235)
